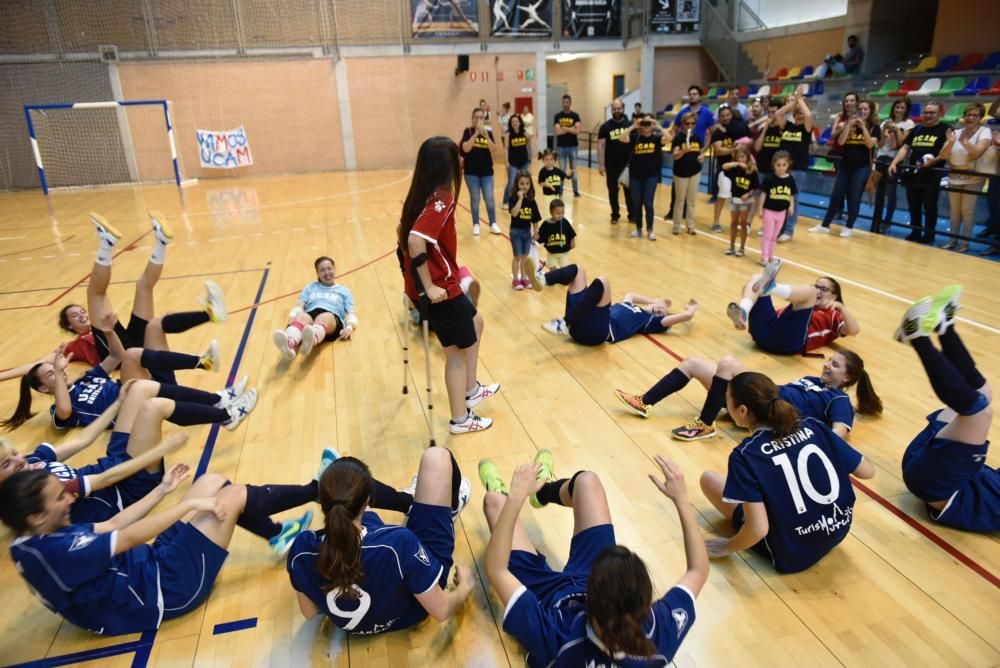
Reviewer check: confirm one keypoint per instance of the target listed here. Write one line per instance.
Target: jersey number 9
(354, 617)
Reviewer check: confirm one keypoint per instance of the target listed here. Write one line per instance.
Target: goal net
(103, 143)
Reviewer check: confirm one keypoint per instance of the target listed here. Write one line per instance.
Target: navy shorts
(739, 519)
(133, 336)
(99, 506)
(593, 327)
(452, 322)
(520, 241)
(189, 563)
(975, 506)
(433, 526)
(132, 488)
(553, 587)
(337, 327)
(783, 334)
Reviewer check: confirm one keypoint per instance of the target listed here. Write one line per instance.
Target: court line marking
(144, 641)
(232, 627)
(801, 265)
(28, 250)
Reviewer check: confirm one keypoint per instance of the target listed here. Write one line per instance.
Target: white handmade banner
(224, 149)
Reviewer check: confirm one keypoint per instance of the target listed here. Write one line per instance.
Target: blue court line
(213, 434)
(238, 625)
(143, 647)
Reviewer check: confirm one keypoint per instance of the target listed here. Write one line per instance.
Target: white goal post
(119, 104)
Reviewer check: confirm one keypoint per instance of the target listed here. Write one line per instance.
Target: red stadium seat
(907, 86)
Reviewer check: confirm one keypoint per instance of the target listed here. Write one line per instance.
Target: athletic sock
(471, 393)
(186, 414)
(715, 400)
(672, 382)
(468, 412)
(105, 252)
(175, 323)
(294, 333)
(159, 252)
(188, 394)
(266, 500)
(561, 276)
(165, 360)
(320, 331)
(746, 304)
(385, 497)
(549, 493)
(948, 384)
(954, 349)
(783, 290)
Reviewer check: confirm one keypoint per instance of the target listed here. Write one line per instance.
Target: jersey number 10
(802, 464)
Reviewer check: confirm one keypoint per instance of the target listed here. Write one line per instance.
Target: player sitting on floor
(788, 492)
(325, 312)
(945, 465)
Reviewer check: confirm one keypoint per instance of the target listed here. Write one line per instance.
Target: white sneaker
(652, 236)
(495, 229)
(911, 327)
(636, 234)
(475, 230)
(308, 340)
(230, 394)
(210, 360)
(464, 496)
(106, 232)
(535, 274)
(215, 302)
(240, 409)
(768, 277)
(482, 392)
(472, 422)
(819, 229)
(846, 232)
(557, 326)
(284, 346)
(784, 238)
(716, 228)
(164, 233)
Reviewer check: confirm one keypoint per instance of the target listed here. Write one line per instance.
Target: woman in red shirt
(427, 232)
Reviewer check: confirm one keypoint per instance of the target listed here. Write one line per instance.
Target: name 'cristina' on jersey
(801, 436)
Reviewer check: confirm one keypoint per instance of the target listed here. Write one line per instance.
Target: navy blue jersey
(627, 320)
(397, 568)
(89, 395)
(803, 480)
(76, 574)
(44, 456)
(560, 636)
(812, 399)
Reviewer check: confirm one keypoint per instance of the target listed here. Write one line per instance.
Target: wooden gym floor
(899, 591)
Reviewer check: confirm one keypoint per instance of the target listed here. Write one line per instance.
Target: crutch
(406, 342)
(422, 304)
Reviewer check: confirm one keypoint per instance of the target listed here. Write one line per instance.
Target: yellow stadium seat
(925, 64)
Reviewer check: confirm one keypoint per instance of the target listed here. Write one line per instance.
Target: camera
(645, 123)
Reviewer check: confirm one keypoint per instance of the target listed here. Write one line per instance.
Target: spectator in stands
(796, 139)
(991, 165)
(854, 57)
(637, 111)
(613, 156)
(894, 132)
(831, 65)
(733, 98)
(925, 149)
(971, 143)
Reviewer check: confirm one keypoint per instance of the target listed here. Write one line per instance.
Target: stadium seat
(788, 90)
(753, 91)
(946, 63)
(712, 92)
(924, 65)
(929, 86)
(906, 88)
(992, 62)
(714, 108)
(822, 165)
(888, 86)
(807, 71)
(824, 136)
(950, 86)
(974, 86)
(667, 109)
(778, 75)
(793, 73)
(969, 62)
(764, 90)
(955, 112)
(995, 90)
(916, 111)
(815, 89)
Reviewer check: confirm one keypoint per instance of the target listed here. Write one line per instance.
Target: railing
(723, 46)
(747, 19)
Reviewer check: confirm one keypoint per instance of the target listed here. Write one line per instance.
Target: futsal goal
(80, 144)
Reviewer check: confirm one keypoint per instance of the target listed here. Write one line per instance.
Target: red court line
(29, 250)
(963, 558)
(295, 292)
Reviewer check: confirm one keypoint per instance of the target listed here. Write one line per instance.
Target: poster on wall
(672, 16)
(592, 18)
(224, 149)
(445, 18)
(521, 18)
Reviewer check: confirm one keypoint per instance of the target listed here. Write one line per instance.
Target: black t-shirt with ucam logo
(517, 149)
(478, 161)
(616, 153)
(778, 192)
(646, 156)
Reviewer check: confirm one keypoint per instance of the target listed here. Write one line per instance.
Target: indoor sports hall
(237, 141)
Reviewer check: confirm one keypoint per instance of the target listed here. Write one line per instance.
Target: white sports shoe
(472, 422)
(475, 230)
(556, 326)
(215, 302)
(211, 359)
(464, 496)
(308, 340)
(164, 233)
(240, 409)
(819, 229)
(846, 232)
(784, 238)
(535, 274)
(636, 234)
(230, 394)
(284, 347)
(106, 232)
(482, 392)
(495, 229)
(652, 236)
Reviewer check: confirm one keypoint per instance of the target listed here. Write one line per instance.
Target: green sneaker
(490, 476)
(546, 473)
(912, 325)
(290, 530)
(944, 306)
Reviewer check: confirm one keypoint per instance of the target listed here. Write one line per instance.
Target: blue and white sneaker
(768, 278)
(106, 232)
(240, 409)
(464, 496)
(535, 274)
(290, 530)
(556, 326)
(328, 457)
(229, 395)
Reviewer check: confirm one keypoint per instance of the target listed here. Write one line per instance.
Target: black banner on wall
(521, 18)
(445, 18)
(672, 16)
(592, 18)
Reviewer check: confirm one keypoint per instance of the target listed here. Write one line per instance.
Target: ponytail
(619, 596)
(760, 395)
(869, 402)
(344, 490)
(22, 413)
(21, 497)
